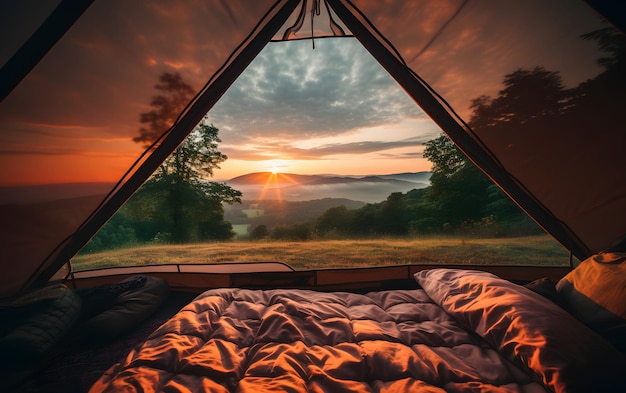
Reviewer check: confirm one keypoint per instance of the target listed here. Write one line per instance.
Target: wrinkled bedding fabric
(234, 340)
(529, 330)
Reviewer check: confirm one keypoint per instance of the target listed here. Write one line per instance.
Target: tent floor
(74, 365)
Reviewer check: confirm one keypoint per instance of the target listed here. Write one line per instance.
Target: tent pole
(42, 40)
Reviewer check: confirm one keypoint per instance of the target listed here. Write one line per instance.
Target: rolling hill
(293, 187)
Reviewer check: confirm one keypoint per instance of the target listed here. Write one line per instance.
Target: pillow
(530, 331)
(96, 300)
(595, 293)
(129, 308)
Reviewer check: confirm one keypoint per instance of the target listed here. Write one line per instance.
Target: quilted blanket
(462, 331)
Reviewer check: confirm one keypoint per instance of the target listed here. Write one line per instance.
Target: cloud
(294, 92)
(361, 147)
(286, 150)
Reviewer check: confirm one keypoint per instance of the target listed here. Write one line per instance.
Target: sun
(275, 166)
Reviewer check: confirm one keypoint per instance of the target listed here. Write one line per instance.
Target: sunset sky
(331, 109)
(296, 109)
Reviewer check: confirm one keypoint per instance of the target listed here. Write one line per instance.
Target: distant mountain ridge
(258, 185)
(295, 187)
(263, 178)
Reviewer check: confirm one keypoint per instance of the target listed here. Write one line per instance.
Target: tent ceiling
(72, 119)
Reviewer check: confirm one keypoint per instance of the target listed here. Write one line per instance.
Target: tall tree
(197, 156)
(444, 155)
(458, 189)
(165, 107)
(179, 199)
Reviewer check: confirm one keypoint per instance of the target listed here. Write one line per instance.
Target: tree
(197, 156)
(117, 232)
(611, 42)
(166, 107)
(458, 189)
(336, 220)
(444, 155)
(294, 232)
(178, 198)
(527, 95)
(600, 101)
(461, 197)
(259, 232)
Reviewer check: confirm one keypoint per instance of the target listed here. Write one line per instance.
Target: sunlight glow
(276, 166)
(273, 185)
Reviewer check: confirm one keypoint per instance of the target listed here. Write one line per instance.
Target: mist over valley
(262, 186)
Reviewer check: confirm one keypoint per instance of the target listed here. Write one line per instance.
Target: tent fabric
(71, 119)
(312, 19)
(100, 86)
(551, 171)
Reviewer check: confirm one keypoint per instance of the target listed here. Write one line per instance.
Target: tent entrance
(451, 54)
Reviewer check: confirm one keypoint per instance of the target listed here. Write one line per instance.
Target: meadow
(529, 250)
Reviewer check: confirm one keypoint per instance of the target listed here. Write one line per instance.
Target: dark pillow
(130, 307)
(98, 299)
(595, 293)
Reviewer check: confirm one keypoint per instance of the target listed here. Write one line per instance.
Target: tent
(76, 73)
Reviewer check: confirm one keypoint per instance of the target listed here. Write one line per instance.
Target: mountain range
(254, 186)
(295, 187)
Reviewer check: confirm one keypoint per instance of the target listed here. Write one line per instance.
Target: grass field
(531, 250)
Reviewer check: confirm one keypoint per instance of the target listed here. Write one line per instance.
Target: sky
(332, 109)
(296, 109)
